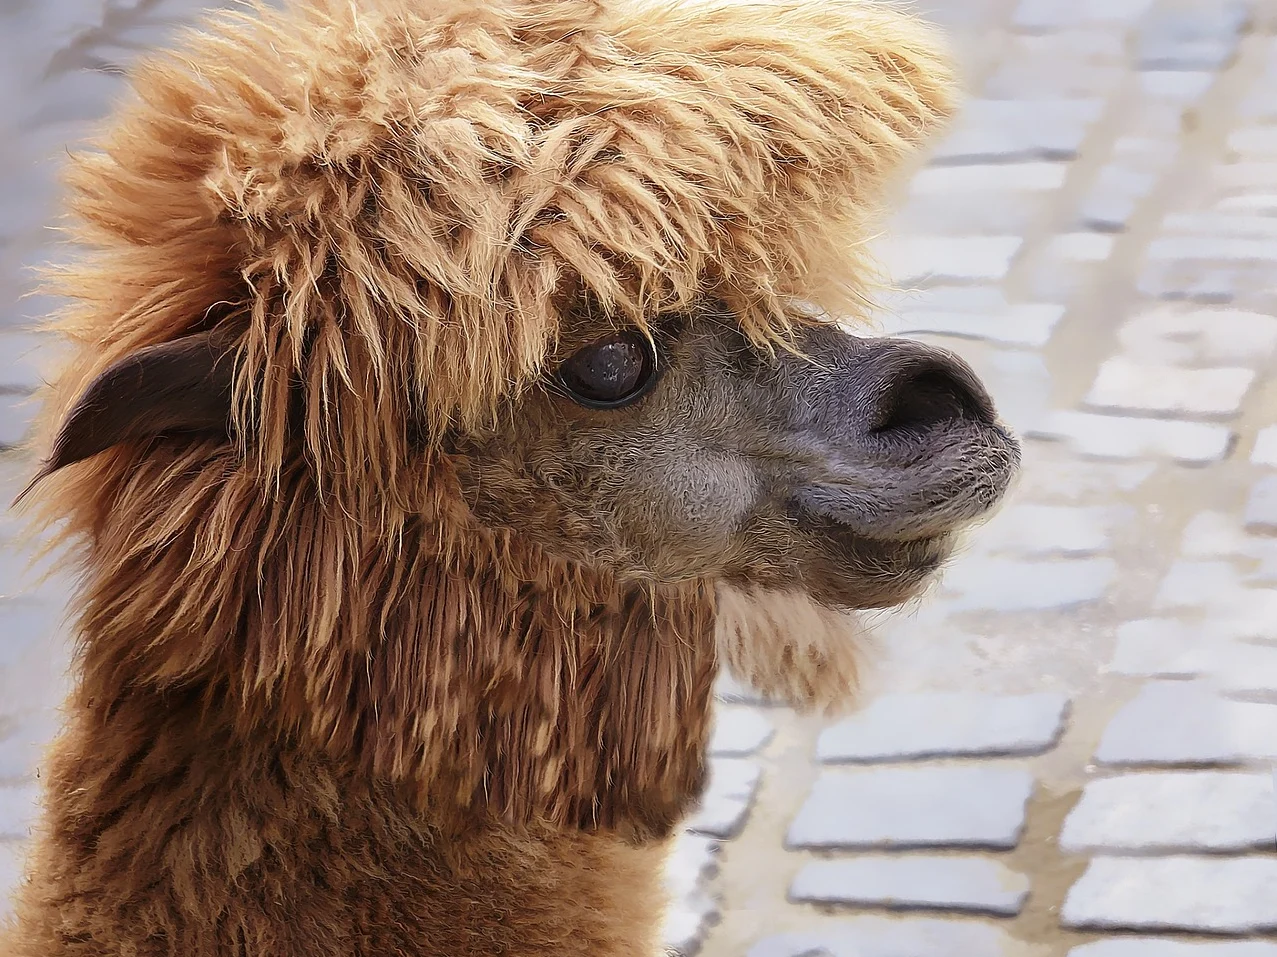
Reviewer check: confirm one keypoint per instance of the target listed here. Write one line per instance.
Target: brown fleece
(319, 709)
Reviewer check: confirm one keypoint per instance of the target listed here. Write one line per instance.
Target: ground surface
(1069, 747)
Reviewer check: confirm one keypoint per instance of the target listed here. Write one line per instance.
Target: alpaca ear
(179, 386)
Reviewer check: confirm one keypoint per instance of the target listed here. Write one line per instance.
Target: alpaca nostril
(938, 392)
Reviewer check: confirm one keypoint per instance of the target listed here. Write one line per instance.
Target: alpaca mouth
(934, 489)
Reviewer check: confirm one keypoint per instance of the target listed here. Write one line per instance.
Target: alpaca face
(843, 472)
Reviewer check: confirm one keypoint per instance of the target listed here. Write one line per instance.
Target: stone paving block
(32, 577)
(1080, 247)
(692, 910)
(945, 258)
(990, 177)
(968, 300)
(1226, 223)
(16, 415)
(1175, 723)
(1128, 385)
(79, 95)
(1066, 65)
(978, 806)
(1211, 534)
(1163, 648)
(19, 807)
(1128, 437)
(1055, 15)
(1248, 613)
(1191, 811)
(911, 726)
(1179, 87)
(968, 212)
(1050, 473)
(1200, 36)
(740, 732)
(24, 623)
(1197, 584)
(973, 884)
(726, 803)
(1199, 894)
(1261, 506)
(23, 740)
(1233, 178)
(1249, 203)
(1010, 130)
(886, 937)
(1160, 947)
(1199, 281)
(1244, 670)
(1213, 248)
(1113, 198)
(24, 356)
(1028, 324)
(1265, 448)
(12, 863)
(1040, 530)
(1252, 141)
(1010, 585)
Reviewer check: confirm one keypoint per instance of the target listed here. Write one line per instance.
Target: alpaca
(452, 394)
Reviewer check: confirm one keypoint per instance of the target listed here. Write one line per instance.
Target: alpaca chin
(790, 648)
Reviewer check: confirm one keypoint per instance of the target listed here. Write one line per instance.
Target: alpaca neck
(168, 833)
(300, 733)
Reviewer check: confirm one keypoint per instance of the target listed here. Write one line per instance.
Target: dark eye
(611, 372)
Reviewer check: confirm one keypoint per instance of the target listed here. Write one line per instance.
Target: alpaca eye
(611, 372)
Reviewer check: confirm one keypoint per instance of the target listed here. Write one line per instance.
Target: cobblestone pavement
(1068, 748)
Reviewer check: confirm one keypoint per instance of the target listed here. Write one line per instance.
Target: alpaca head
(553, 274)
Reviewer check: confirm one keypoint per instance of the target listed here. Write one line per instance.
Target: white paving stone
(1029, 324)
(1265, 449)
(1126, 385)
(1081, 247)
(1178, 335)
(1261, 507)
(1170, 648)
(911, 726)
(1004, 584)
(973, 884)
(1213, 535)
(19, 805)
(692, 910)
(1197, 584)
(1203, 894)
(1173, 811)
(1160, 647)
(977, 806)
(1175, 722)
(937, 258)
(740, 732)
(12, 854)
(991, 177)
(1213, 247)
(1161, 947)
(1126, 437)
(728, 798)
(1254, 140)
(1037, 530)
(887, 937)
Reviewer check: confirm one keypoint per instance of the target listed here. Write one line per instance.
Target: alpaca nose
(914, 389)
